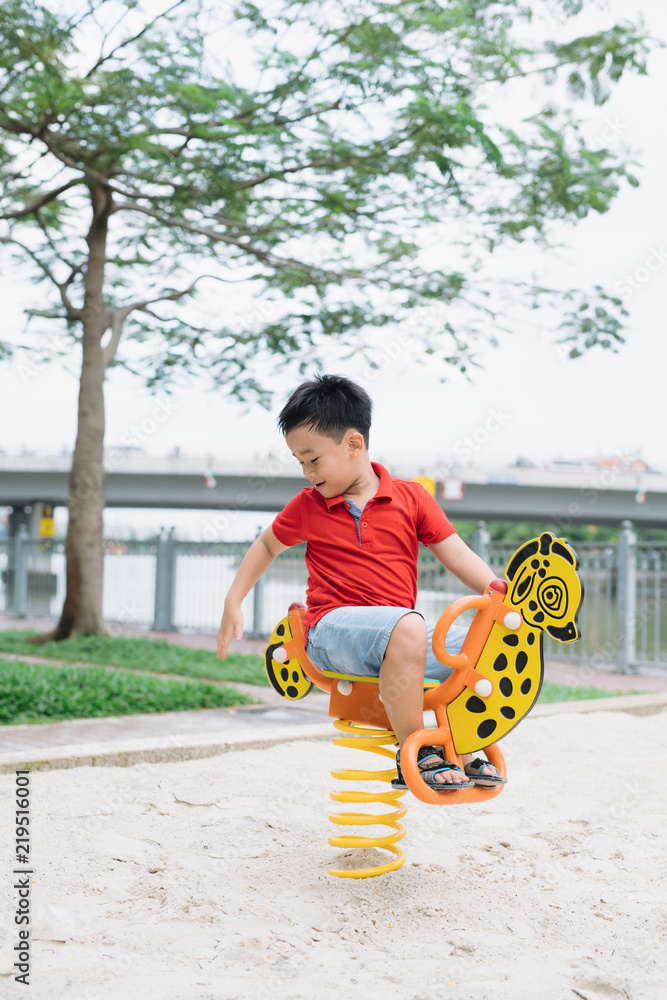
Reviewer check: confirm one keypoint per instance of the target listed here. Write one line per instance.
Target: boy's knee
(410, 630)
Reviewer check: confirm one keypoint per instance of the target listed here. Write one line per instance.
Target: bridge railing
(168, 584)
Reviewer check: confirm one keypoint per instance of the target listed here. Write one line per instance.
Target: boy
(363, 530)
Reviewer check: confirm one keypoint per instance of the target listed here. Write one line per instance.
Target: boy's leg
(455, 639)
(402, 683)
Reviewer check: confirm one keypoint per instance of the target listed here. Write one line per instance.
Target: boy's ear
(355, 441)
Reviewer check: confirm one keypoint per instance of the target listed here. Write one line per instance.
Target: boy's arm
(460, 560)
(256, 561)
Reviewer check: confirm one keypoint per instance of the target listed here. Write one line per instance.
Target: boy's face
(331, 468)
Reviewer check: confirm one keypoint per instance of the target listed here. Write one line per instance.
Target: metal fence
(651, 597)
(168, 584)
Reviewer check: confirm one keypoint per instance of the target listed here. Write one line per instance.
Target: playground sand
(208, 879)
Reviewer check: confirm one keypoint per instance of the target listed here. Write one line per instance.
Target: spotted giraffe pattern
(288, 679)
(545, 588)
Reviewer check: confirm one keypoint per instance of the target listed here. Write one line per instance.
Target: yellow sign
(47, 527)
(427, 483)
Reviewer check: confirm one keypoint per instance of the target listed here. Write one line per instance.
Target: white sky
(548, 406)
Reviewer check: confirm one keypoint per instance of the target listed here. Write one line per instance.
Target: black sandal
(475, 770)
(429, 771)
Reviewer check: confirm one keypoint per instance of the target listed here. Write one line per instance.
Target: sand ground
(207, 879)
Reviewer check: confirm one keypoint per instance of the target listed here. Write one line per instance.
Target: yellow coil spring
(373, 740)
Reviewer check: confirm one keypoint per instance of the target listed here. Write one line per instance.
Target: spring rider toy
(495, 681)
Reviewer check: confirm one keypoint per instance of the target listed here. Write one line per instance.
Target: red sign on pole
(453, 489)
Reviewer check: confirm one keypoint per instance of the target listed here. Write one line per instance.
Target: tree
(136, 164)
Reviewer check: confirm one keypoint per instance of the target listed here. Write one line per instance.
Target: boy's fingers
(225, 633)
(223, 643)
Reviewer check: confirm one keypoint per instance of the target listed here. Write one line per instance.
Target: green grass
(154, 655)
(36, 693)
(159, 656)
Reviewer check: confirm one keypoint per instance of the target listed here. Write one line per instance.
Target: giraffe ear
(562, 549)
(520, 556)
(546, 540)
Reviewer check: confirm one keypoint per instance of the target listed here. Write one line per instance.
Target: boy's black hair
(329, 404)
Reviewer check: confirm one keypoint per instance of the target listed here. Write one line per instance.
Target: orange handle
(490, 608)
(312, 672)
(445, 622)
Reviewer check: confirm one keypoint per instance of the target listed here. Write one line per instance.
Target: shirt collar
(385, 489)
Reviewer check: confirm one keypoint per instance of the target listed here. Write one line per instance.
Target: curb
(636, 704)
(154, 751)
(173, 749)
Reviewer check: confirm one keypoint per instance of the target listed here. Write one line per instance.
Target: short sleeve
(433, 525)
(288, 525)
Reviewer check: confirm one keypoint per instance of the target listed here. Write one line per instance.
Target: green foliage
(369, 126)
(32, 693)
(593, 325)
(520, 531)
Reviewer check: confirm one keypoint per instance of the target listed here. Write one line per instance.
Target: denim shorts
(353, 640)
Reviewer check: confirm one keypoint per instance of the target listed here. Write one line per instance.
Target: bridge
(556, 495)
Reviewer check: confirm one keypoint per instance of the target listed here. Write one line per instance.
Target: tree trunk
(84, 547)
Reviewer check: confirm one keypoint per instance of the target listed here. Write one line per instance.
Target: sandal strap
(428, 770)
(480, 764)
(424, 752)
(439, 765)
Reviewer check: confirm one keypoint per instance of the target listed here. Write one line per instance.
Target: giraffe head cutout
(545, 587)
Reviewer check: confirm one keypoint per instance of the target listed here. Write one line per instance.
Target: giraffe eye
(552, 597)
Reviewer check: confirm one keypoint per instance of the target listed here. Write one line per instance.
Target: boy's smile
(332, 468)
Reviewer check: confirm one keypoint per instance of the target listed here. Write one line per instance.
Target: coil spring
(373, 740)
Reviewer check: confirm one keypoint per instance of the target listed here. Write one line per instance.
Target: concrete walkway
(182, 735)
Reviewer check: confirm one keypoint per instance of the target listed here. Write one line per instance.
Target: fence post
(480, 541)
(21, 572)
(165, 589)
(258, 607)
(626, 599)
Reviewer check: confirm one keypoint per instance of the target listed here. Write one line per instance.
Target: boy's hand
(231, 625)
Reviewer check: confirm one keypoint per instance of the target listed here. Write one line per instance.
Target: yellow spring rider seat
(495, 681)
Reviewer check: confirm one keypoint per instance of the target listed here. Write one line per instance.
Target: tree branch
(44, 200)
(71, 311)
(287, 85)
(264, 255)
(117, 317)
(134, 38)
(109, 351)
(322, 162)
(190, 131)
(42, 134)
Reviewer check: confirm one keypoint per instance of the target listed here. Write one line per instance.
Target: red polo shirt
(382, 570)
